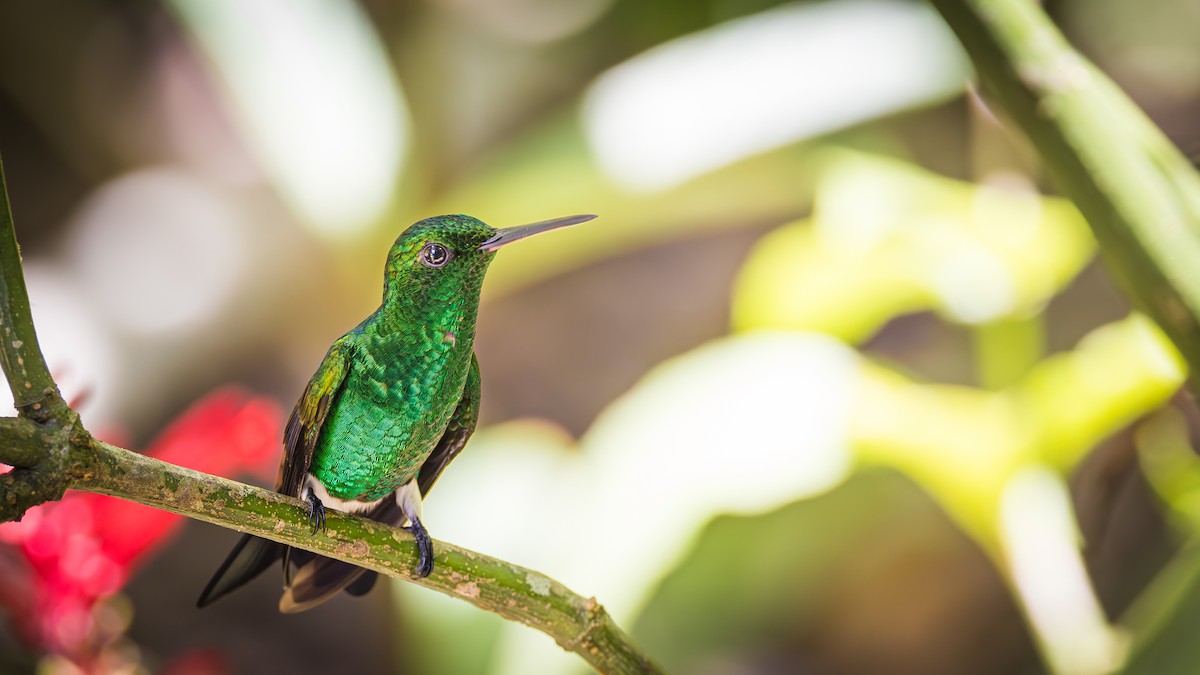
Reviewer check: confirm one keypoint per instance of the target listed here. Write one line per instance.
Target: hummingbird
(393, 402)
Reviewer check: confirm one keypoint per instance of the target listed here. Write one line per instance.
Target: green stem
(1138, 193)
(33, 388)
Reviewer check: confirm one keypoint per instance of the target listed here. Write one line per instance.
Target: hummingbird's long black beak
(510, 234)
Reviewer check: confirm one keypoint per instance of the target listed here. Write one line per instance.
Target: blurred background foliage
(830, 387)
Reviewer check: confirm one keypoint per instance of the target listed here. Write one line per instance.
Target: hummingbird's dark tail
(247, 560)
(318, 578)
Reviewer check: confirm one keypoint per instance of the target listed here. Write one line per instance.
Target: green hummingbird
(393, 402)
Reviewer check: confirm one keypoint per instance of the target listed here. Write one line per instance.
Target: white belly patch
(408, 496)
(313, 485)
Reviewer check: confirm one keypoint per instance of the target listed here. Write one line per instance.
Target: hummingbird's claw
(316, 512)
(424, 546)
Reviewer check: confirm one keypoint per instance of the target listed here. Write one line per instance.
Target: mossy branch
(53, 452)
(1140, 195)
(515, 593)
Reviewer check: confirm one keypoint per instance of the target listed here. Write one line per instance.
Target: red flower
(65, 557)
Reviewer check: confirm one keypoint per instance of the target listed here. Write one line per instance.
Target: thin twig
(33, 388)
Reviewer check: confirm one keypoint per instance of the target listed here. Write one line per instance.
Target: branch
(36, 442)
(1138, 193)
(515, 593)
(52, 452)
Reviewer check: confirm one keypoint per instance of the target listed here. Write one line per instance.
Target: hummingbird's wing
(462, 425)
(252, 555)
(320, 578)
(308, 417)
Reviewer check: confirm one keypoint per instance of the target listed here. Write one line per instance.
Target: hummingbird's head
(451, 254)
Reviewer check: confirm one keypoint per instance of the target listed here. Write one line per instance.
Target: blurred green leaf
(887, 238)
(1171, 465)
(964, 444)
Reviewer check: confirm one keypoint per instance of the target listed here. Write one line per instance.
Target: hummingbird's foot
(424, 546)
(316, 512)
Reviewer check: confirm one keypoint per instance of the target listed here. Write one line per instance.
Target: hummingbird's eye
(435, 255)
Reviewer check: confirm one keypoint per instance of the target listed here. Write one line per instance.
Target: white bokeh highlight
(1041, 544)
(711, 98)
(313, 90)
(159, 252)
